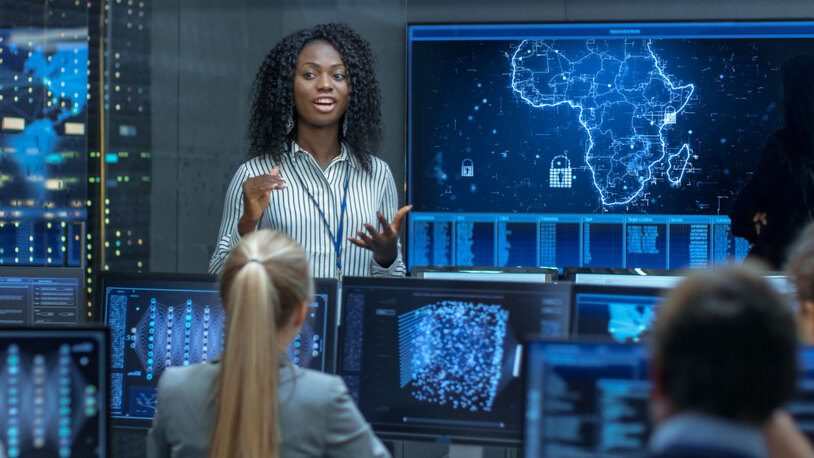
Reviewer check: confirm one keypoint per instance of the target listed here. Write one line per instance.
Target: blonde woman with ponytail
(252, 402)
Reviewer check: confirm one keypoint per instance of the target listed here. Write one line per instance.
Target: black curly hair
(273, 93)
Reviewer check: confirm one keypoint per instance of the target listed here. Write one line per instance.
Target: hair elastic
(254, 260)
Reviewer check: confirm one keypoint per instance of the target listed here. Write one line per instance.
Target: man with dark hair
(724, 360)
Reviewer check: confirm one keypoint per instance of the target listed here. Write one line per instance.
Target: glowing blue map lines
(625, 102)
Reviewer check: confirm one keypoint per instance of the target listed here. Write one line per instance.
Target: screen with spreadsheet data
(586, 399)
(589, 145)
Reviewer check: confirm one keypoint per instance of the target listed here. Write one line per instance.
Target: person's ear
(807, 307)
(659, 404)
(656, 378)
(300, 313)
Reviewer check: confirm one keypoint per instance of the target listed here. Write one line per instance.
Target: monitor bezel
(569, 273)
(464, 286)
(95, 332)
(78, 273)
(104, 278)
(551, 273)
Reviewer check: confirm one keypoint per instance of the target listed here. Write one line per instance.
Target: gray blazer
(317, 416)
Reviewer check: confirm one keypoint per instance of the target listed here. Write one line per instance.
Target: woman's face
(321, 86)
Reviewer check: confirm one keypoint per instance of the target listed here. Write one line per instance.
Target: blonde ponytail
(264, 280)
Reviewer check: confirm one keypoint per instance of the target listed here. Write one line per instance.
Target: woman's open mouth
(325, 104)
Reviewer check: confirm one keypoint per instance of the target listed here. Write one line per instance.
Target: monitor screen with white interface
(162, 320)
(430, 359)
(38, 296)
(653, 281)
(529, 274)
(619, 313)
(588, 144)
(54, 393)
(586, 399)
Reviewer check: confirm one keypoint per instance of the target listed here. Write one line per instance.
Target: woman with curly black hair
(314, 131)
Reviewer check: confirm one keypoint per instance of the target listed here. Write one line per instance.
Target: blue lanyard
(337, 240)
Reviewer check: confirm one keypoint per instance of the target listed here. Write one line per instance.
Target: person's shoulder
(316, 388)
(317, 379)
(377, 163)
(181, 378)
(379, 169)
(261, 164)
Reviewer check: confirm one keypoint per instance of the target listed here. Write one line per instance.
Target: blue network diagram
(308, 347)
(453, 353)
(153, 329)
(625, 103)
(50, 403)
(177, 334)
(585, 120)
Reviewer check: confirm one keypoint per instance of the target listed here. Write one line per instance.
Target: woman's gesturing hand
(256, 196)
(384, 243)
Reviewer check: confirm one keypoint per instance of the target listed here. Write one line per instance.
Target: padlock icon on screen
(560, 172)
(467, 168)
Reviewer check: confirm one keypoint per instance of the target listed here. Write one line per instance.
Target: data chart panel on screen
(653, 120)
(586, 399)
(54, 385)
(163, 320)
(442, 358)
(42, 296)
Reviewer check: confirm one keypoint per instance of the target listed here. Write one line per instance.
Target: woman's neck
(320, 142)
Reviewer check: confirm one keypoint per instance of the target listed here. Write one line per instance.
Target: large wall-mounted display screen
(594, 145)
(44, 129)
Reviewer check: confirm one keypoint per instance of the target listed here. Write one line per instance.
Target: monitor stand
(465, 451)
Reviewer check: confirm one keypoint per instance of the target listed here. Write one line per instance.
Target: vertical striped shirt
(291, 210)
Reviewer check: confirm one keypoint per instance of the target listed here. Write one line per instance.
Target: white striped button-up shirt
(292, 212)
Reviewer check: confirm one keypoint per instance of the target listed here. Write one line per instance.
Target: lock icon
(560, 172)
(467, 168)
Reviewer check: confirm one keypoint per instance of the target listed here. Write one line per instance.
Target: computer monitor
(802, 406)
(54, 392)
(586, 274)
(521, 274)
(586, 399)
(160, 320)
(42, 296)
(653, 281)
(620, 313)
(430, 359)
(782, 283)
(588, 144)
